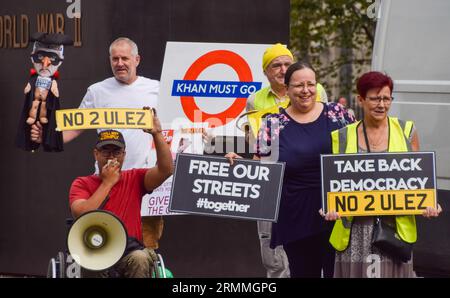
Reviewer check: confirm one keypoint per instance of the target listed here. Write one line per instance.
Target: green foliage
(343, 26)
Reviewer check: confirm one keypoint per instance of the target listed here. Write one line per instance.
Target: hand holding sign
(432, 212)
(231, 156)
(156, 123)
(36, 132)
(329, 216)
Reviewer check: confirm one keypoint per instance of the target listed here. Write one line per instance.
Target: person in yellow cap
(276, 59)
(275, 62)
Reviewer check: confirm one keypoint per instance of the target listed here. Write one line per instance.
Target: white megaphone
(97, 240)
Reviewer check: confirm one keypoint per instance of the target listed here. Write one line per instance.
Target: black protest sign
(378, 183)
(211, 186)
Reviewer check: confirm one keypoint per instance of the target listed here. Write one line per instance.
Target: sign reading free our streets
(208, 185)
(378, 183)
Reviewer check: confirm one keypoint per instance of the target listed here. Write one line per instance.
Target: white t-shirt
(110, 93)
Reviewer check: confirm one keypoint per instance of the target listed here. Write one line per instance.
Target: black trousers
(307, 257)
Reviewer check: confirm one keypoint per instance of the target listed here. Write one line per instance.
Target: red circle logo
(244, 73)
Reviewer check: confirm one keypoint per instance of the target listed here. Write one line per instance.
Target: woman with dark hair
(297, 136)
(377, 132)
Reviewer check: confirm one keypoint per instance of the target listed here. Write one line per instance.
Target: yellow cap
(273, 52)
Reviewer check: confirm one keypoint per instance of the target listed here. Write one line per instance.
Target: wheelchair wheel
(61, 262)
(160, 270)
(161, 267)
(57, 266)
(51, 270)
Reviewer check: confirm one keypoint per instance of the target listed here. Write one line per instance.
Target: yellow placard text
(373, 203)
(75, 119)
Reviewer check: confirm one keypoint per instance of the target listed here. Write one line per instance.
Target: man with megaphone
(120, 193)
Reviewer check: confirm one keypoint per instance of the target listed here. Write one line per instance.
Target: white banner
(204, 88)
(209, 82)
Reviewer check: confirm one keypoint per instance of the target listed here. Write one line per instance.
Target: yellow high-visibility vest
(345, 140)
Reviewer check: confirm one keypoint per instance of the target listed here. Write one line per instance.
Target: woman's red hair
(371, 80)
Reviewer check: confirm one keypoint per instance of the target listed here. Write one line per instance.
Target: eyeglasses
(376, 100)
(115, 153)
(302, 85)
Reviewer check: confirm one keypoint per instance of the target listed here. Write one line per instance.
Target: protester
(352, 237)
(297, 136)
(124, 90)
(120, 192)
(275, 62)
(269, 100)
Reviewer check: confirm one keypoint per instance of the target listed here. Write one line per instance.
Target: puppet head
(48, 52)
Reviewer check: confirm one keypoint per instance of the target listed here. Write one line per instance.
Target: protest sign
(378, 184)
(211, 186)
(74, 119)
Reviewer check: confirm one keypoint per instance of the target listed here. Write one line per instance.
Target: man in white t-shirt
(125, 90)
(111, 93)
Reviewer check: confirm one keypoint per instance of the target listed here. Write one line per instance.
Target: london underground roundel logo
(238, 90)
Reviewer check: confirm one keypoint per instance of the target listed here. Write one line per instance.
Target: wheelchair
(64, 266)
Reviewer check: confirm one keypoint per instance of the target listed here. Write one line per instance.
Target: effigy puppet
(42, 94)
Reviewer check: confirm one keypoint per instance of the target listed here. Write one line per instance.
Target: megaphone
(97, 240)
(241, 122)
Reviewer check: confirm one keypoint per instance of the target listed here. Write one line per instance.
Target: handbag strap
(366, 139)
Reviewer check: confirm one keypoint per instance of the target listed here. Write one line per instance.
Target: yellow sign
(74, 119)
(389, 202)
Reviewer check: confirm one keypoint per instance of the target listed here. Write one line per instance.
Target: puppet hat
(50, 42)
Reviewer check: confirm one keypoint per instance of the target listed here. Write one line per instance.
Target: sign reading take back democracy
(378, 184)
(211, 186)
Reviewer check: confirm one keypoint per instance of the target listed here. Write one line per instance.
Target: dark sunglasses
(39, 56)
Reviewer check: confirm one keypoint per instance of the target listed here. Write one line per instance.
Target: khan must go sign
(378, 184)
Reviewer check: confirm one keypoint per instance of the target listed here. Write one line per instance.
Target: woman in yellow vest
(351, 237)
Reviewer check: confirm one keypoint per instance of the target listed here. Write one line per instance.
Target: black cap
(110, 137)
(52, 38)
